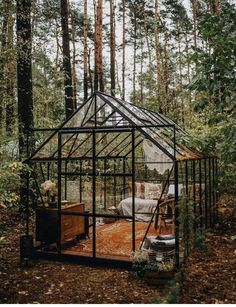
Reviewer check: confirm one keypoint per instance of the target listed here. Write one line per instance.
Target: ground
(210, 275)
(211, 270)
(60, 282)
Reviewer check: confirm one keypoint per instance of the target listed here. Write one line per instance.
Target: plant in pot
(50, 190)
(152, 269)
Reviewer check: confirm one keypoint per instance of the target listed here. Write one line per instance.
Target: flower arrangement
(50, 189)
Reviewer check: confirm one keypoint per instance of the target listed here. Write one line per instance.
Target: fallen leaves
(23, 292)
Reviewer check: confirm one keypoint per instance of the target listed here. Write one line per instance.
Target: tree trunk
(215, 6)
(69, 104)
(123, 48)
(194, 13)
(134, 54)
(2, 70)
(98, 61)
(141, 72)
(147, 35)
(90, 79)
(166, 73)
(85, 56)
(96, 48)
(73, 39)
(24, 76)
(100, 70)
(112, 48)
(158, 53)
(10, 71)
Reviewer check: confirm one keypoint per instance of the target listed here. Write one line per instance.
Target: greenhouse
(115, 179)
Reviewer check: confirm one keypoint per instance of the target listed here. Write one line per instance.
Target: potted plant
(157, 272)
(50, 190)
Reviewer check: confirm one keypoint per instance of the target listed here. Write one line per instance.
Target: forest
(176, 58)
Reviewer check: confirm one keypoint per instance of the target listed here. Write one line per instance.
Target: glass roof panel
(102, 110)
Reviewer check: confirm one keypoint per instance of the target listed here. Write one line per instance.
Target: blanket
(143, 208)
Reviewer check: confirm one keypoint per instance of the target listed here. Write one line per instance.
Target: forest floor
(210, 274)
(211, 268)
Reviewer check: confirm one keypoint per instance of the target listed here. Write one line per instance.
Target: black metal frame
(159, 130)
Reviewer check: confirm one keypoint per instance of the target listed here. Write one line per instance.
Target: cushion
(153, 190)
(139, 189)
(171, 190)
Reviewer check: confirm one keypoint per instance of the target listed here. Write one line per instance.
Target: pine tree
(24, 77)
(68, 87)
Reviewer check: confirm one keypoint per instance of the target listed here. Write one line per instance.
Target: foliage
(142, 263)
(200, 239)
(10, 172)
(214, 85)
(10, 182)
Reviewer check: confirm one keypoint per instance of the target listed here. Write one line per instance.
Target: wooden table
(71, 225)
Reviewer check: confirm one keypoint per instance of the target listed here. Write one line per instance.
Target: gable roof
(102, 111)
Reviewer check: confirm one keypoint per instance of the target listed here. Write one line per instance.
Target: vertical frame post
(65, 191)
(59, 191)
(216, 186)
(26, 190)
(176, 176)
(105, 184)
(80, 181)
(210, 191)
(213, 190)
(200, 193)
(194, 194)
(114, 183)
(186, 210)
(94, 193)
(27, 200)
(133, 189)
(176, 215)
(206, 193)
(124, 178)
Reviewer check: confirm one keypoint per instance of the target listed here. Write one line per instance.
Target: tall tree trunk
(24, 76)
(96, 48)
(117, 80)
(90, 79)
(147, 35)
(2, 69)
(182, 119)
(112, 48)
(69, 104)
(98, 61)
(74, 76)
(158, 53)
(123, 48)
(141, 71)
(85, 56)
(194, 14)
(134, 53)
(166, 73)
(100, 71)
(10, 71)
(215, 6)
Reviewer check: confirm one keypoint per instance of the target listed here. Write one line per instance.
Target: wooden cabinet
(71, 225)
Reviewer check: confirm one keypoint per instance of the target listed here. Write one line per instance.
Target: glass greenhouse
(112, 179)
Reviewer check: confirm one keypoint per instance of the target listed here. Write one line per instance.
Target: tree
(112, 48)
(68, 87)
(215, 82)
(85, 55)
(98, 60)
(10, 73)
(123, 47)
(24, 76)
